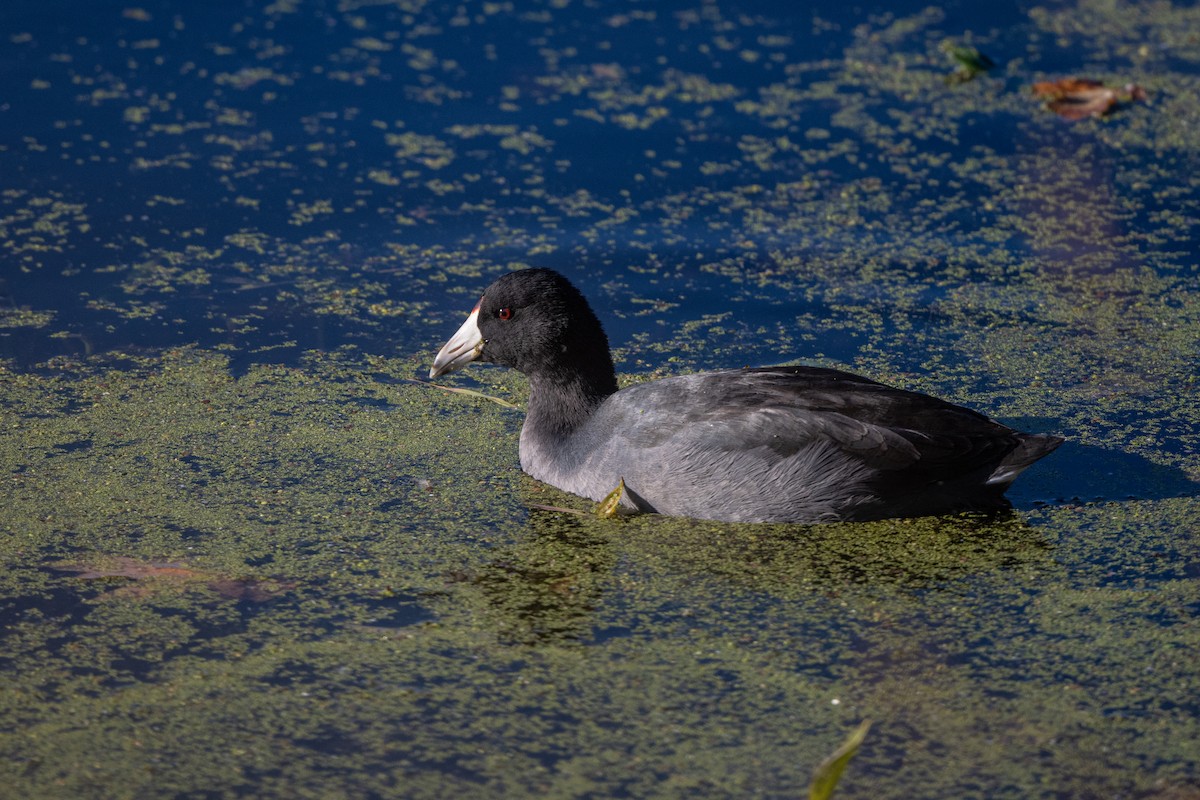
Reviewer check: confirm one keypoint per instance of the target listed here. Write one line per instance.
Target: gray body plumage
(787, 444)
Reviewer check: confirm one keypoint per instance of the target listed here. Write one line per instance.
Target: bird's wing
(789, 409)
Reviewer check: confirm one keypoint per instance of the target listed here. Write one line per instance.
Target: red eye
(504, 313)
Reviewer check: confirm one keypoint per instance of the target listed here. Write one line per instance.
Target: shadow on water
(889, 556)
(1086, 473)
(547, 588)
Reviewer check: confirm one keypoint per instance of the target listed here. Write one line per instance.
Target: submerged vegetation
(247, 555)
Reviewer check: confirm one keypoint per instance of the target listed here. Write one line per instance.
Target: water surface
(247, 557)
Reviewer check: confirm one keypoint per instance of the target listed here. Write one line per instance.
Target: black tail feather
(1030, 448)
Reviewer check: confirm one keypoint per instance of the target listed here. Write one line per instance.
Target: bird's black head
(534, 321)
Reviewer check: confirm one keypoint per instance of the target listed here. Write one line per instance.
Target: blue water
(170, 130)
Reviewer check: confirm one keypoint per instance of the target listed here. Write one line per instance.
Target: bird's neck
(559, 404)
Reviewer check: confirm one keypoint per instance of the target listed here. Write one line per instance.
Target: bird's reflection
(551, 585)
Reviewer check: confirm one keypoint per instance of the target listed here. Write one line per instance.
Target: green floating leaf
(610, 506)
(971, 62)
(829, 772)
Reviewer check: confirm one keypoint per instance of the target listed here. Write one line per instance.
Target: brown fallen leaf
(1078, 98)
(154, 577)
(125, 567)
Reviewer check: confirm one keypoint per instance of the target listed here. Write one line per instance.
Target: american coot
(774, 444)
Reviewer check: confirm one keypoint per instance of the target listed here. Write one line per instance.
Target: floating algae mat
(247, 555)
